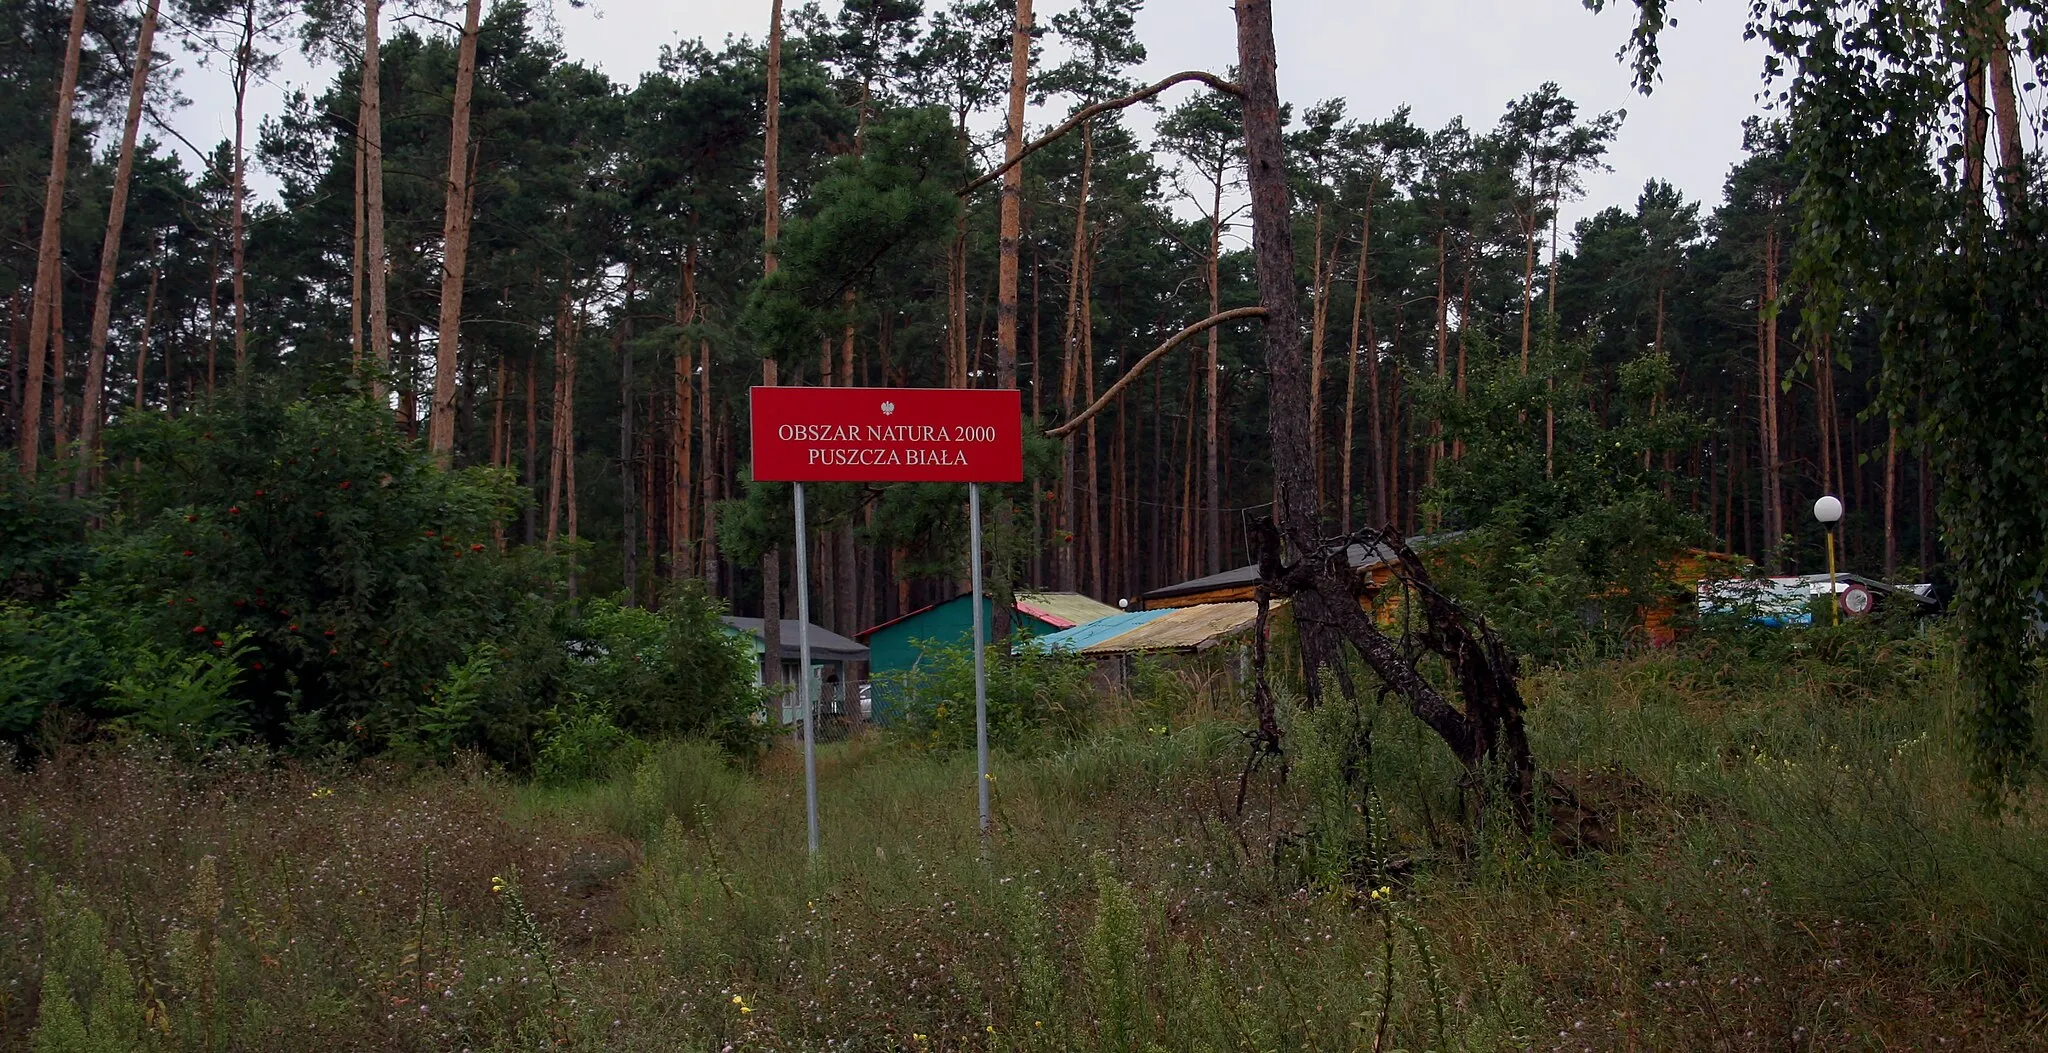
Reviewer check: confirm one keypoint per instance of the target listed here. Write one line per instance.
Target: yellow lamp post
(1829, 511)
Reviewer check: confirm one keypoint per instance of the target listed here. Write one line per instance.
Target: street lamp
(1829, 511)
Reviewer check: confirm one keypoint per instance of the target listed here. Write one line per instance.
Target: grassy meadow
(1789, 856)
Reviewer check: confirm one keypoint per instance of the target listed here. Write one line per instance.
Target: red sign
(888, 435)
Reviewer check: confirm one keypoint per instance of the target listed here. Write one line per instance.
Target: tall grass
(1796, 861)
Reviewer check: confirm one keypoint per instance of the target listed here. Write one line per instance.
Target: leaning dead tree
(1486, 733)
(1483, 728)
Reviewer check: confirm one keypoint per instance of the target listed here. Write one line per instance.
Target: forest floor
(1794, 860)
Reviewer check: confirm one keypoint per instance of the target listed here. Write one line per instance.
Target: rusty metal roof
(1070, 607)
(1359, 556)
(1182, 630)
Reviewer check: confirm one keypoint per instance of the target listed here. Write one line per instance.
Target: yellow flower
(917, 1038)
(499, 885)
(324, 791)
(1383, 892)
(991, 1029)
(737, 1000)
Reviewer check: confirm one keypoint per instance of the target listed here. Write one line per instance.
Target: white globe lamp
(1829, 511)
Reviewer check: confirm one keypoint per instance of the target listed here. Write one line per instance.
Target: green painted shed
(895, 646)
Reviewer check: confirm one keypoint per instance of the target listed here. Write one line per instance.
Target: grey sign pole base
(803, 675)
(980, 652)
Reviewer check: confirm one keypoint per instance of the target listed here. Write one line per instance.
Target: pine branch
(1135, 371)
(1082, 115)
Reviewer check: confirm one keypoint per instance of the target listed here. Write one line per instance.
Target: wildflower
(1383, 892)
(323, 791)
(499, 885)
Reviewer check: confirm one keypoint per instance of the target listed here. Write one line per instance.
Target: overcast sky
(1444, 58)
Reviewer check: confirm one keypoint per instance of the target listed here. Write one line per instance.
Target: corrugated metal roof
(1181, 629)
(1061, 610)
(825, 644)
(1070, 607)
(1097, 631)
(1359, 556)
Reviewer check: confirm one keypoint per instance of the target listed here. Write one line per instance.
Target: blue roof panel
(1094, 632)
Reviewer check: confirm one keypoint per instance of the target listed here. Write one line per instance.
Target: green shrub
(448, 721)
(359, 571)
(586, 745)
(1033, 698)
(186, 701)
(676, 671)
(43, 546)
(63, 655)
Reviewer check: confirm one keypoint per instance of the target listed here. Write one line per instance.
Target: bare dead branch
(1082, 115)
(1172, 342)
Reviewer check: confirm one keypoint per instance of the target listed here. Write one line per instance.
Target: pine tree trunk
(1068, 525)
(60, 406)
(844, 561)
(1095, 555)
(244, 69)
(1976, 111)
(2012, 181)
(1443, 351)
(1319, 288)
(355, 262)
(50, 247)
(16, 356)
(629, 491)
(375, 265)
(1928, 526)
(1212, 396)
(680, 488)
(529, 468)
(1358, 298)
(1038, 568)
(1011, 232)
(561, 423)
(214, 304)
(1186, 549)
(110, 252)
(142, 339)
(455, 224)
(707, 421)
(1767, 403)
(1891, 508)
(771, 229)
(1528, 275)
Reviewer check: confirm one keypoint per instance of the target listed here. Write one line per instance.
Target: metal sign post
(803, 676)
(980, 652)
(887, 435)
